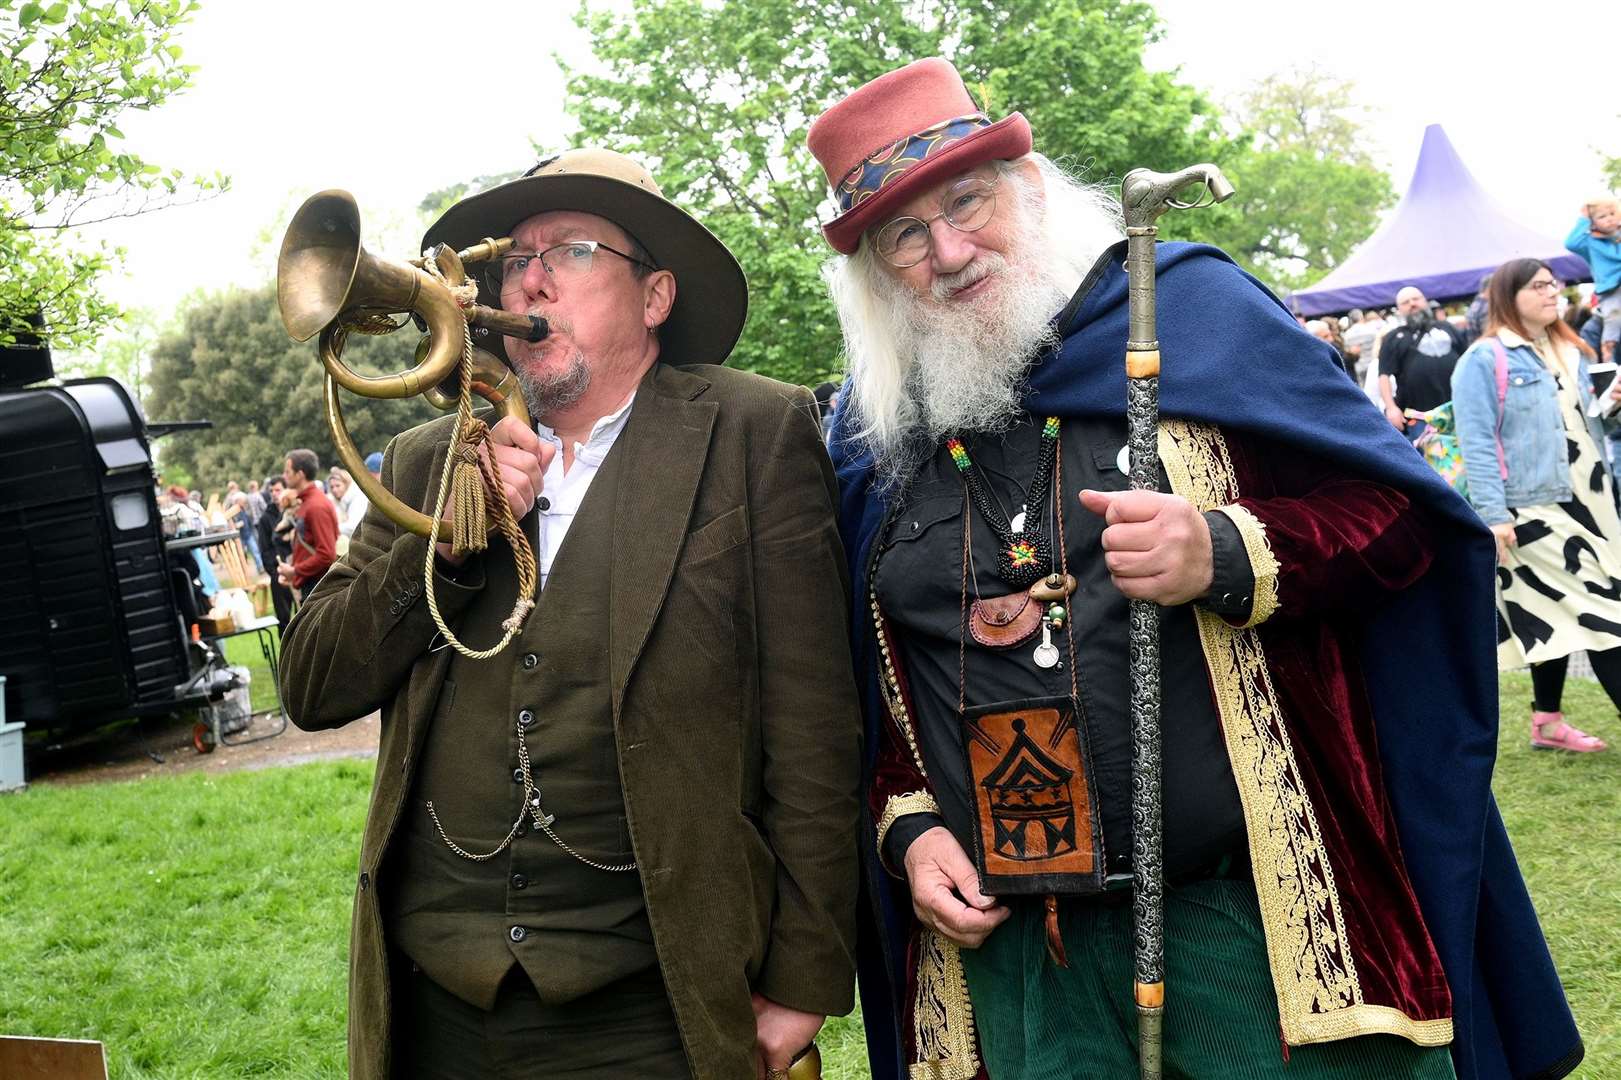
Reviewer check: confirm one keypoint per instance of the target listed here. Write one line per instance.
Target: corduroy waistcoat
(573, 928)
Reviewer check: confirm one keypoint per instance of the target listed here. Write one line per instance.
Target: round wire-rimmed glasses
(966, 206)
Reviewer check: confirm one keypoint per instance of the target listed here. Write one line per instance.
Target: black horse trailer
(91, 627)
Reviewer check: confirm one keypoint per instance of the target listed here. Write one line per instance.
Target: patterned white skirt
(1560, 591)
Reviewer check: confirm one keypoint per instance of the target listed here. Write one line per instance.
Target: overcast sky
(372, 97)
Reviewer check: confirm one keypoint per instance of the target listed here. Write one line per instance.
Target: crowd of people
(1513, 398)
(292, 527)
(1427, 339)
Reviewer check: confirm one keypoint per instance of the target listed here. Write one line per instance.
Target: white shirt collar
(603, 433)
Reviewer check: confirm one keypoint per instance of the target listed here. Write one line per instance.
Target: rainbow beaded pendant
(1024, 555)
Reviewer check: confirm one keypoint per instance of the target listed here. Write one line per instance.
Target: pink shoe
(1550, 732)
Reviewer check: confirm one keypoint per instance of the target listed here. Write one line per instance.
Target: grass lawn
(1563, 813)
(197, 924)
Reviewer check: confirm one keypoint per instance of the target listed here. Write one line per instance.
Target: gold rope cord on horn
(469, 481)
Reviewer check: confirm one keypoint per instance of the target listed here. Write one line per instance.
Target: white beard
(925, 367)
(970, 359)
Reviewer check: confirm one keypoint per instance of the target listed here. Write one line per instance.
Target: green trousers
(1037, 1021)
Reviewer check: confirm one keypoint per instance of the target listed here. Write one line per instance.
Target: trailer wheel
(202, 737)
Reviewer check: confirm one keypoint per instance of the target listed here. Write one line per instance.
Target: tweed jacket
(733, 701)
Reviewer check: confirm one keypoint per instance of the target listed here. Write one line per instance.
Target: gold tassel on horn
(467, 492)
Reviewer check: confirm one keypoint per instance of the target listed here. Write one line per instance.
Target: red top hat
(899, 134)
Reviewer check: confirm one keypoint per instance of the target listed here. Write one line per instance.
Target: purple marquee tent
(1444, 236)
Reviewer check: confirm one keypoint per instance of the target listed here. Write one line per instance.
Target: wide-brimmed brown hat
(900, 133)
(711, 295)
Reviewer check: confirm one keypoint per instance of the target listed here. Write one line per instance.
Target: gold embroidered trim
(1313, 972)
(898, 806)
(942, 1015)
(890, 685)
(1374, 1020)
(1263, 563)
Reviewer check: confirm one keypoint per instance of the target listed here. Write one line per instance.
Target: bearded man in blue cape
(1342, 899)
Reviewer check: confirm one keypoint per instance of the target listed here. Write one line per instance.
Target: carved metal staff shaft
(1144, 196)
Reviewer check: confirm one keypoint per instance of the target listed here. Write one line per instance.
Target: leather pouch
(1030, 783)
(1004, 621)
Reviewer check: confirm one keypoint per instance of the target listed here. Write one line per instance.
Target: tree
(1308, 192)
(124, 352)
(230, 361)
(436, 203)
(69, 70)
(716, 98)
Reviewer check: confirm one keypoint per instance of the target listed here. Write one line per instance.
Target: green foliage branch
(69, 71)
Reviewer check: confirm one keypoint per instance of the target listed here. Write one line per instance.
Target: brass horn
(328, 283)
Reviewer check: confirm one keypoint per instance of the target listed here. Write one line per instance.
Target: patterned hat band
(878, 170)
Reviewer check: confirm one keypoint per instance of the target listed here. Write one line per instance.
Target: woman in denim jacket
(1537, 476)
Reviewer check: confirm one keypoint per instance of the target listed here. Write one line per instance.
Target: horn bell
(326, 281)
(316, 267)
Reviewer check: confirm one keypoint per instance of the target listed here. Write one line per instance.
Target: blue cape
(1233, 356)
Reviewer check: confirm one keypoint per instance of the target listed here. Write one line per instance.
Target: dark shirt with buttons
(919, 583)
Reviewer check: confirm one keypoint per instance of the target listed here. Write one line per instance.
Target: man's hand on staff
(945, 890)
(520, 461)
(1156, 546)
(779, 1034)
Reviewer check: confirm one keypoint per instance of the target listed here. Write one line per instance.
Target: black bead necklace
(1024, 555)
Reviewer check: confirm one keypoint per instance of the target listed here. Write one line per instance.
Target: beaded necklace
(1024, 554)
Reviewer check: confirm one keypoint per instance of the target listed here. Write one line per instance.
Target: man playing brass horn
(1341, 900)
(620, 848)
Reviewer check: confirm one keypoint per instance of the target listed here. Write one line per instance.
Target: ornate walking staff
(1144, 196)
